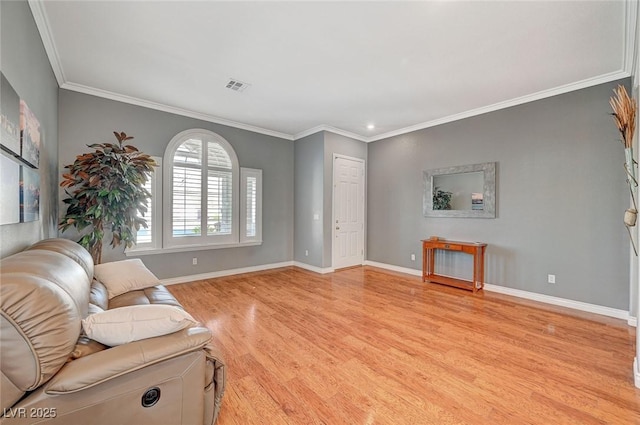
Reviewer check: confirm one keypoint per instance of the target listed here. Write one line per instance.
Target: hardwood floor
(368, 346)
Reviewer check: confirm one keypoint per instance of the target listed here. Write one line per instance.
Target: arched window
(201, 190)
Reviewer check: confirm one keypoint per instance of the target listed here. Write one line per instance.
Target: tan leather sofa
(52, 374)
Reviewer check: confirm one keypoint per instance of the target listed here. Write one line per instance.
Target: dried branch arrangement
(624, 114)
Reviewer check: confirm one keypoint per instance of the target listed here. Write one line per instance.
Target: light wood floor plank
(368, 346)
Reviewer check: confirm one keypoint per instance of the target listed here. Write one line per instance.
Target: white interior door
(348, 212)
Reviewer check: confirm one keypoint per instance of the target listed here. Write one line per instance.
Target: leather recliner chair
(52, 374)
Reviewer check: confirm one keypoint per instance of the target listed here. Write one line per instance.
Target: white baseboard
(231, 272)
(399, 269)
(222, 273)
(563, 302)
(313, 268)
(547, 299)
(636, 372)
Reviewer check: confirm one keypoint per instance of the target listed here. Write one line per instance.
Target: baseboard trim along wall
(391, 267)
(222, 273)
(313, 268)
(547, 299)
(562, 302)
(231, 272)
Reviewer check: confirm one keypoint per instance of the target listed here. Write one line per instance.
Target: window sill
(137, 252)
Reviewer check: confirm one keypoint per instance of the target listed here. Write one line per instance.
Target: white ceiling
(334, 65)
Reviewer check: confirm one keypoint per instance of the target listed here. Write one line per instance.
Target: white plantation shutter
(219, 190)
(219, 198)
(150, 237)
(250, 219)
(201, 197)
(187, 200)
(143, 236)
(251, 205)
(217, 156)
(186, 195)
(204, 190)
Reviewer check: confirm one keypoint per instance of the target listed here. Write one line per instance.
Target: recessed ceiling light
(370, 126)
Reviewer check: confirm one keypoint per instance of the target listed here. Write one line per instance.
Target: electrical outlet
(306, 252)
(194, 261)
(413, 257)
(551, 278)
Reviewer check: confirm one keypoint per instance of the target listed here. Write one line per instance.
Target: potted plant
(441, 199)
(106, 191)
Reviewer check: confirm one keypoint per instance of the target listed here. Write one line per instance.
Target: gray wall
(87, 119)
(309, 199)
(314, 193)
(25, 64)
(560, 190)
(335, 143)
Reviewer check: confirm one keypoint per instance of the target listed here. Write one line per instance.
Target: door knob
(337, 227)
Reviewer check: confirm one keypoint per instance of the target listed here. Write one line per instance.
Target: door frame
(333, 205)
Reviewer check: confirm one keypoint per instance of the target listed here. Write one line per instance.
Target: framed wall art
(9, 190)
(29, 194)
(9, 118)
(30, 136)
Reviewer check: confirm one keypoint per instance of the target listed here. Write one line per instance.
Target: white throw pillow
(123, 276)
(126, 324)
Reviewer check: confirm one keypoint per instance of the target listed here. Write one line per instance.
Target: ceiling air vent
(237, 85)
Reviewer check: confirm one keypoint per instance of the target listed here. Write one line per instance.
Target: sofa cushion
(154, 295)
(123, 276)
(127, 324)
(99, 295)
(68, 248)
(85, 347)
(44, 294)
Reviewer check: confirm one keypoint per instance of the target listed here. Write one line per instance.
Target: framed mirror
(467, 191)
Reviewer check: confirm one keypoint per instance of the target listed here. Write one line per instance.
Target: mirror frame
(489, 191)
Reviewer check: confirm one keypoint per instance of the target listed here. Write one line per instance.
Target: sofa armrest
(215, 381)
(102, 366)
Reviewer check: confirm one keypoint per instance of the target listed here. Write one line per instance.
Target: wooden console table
(476, 249)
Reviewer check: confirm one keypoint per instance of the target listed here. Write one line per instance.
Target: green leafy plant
(441, 199)
(106, 191)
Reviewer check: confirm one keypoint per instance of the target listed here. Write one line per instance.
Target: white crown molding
(330, 129)
(171, 109)
(631, 38)
(309, 132)
(42, 23)
(589, 82)
(630, 61)
(451, 118)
